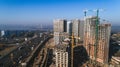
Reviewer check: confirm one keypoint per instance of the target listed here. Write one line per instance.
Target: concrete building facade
(62, 55)
(69, 27)
(60, 30)
(89, 35)
(75, 27)
(81, 30)
(60, 25)
(103, 42)
(61, 59)
(78, 29)
(104, 31)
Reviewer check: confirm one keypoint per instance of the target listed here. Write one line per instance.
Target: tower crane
(96, 32)
(85, 12)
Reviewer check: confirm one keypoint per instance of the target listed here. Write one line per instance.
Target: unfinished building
(77, 29)
(89, 35)
(104, 30)
(60, 25)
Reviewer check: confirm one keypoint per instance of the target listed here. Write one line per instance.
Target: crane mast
(96, 35)
(72, 50)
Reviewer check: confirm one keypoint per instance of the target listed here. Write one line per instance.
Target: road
(41, 60)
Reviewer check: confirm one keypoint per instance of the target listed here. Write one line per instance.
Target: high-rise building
(89, 34)
(81, 30)
(77, 29)
(60, 25)
(60, 30)
(69, 27)
(90, 39)
(104, 31)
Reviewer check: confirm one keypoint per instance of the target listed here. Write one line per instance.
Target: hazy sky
(45, 11)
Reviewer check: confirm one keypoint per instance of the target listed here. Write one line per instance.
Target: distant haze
(25, 27)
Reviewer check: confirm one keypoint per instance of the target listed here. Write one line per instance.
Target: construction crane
(96, 35)
(85, 12)
(72, 50)
(72, 47)
(96, 31)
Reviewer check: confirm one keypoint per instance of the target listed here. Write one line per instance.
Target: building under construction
(77, 29)
(61, 55)
(103, 43)
(60, 30)
(89, 35)
(95, 38)
(101, 53)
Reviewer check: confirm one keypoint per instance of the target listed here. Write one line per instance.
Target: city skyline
(45, 11)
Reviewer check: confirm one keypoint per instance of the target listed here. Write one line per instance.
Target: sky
(45, 11)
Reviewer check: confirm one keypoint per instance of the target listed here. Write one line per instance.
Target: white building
(61, 55)
(2, 33)
(61, 59)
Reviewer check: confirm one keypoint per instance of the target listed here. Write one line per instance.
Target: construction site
(88, 45)
(73, 43)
